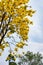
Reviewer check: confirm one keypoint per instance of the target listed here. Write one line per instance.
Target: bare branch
(3, 16)
(5, 30)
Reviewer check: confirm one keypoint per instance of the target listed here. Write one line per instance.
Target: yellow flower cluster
(2, 46)
(20, 44)
(22, 26)
(17, 10)
(19, 2)
(0, 54)
(24, 31)
(6, 44)
(22, 12)
(16, 49)
(30, 12)
(10, 5)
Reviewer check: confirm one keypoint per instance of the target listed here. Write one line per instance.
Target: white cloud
(36, 31)
(36, 47)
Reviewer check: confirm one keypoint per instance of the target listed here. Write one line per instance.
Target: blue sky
(36, 31)
(36, 34)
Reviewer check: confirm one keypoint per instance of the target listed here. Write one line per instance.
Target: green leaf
(12, 63)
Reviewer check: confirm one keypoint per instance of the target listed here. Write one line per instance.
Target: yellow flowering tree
(14, 18)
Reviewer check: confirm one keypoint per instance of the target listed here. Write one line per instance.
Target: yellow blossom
(0, 53)
(16, 49)
(2, 47)
(20, 44)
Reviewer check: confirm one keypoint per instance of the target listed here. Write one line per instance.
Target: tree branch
(3, 16)
(5, 31)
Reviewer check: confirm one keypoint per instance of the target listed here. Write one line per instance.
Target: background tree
(14, 17)
(31, 59)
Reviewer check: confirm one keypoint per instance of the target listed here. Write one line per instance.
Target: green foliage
(31, 59)
(12, 63)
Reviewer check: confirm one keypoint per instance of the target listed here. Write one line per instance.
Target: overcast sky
(36, 31)
(36, 34)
